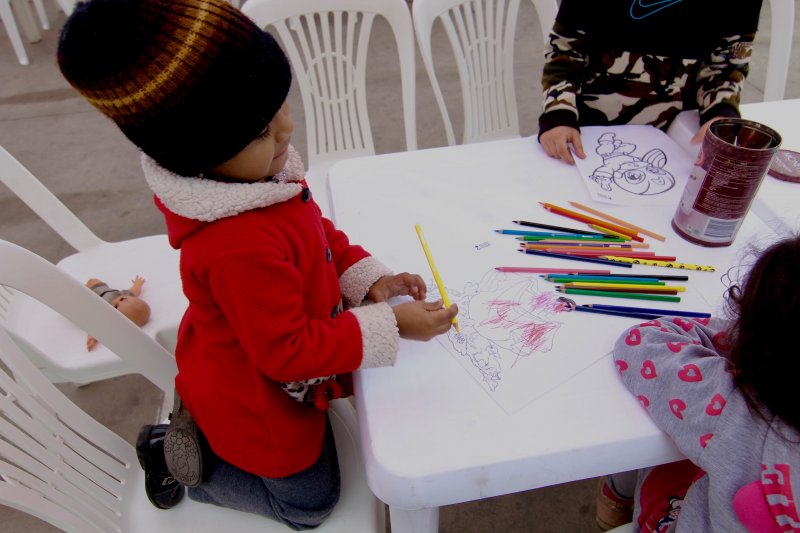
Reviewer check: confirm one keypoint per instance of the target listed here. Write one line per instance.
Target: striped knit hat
(190, 82)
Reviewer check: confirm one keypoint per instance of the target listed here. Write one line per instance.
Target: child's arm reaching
(675, 369)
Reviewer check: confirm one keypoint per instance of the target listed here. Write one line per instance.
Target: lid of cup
(786, 166)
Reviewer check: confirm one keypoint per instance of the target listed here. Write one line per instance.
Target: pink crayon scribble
(533, 337)
(501, 308)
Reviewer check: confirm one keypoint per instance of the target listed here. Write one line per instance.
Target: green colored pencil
(629, 295)
(598, 279)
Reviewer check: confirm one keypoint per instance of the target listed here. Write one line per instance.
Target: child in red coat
(281, 306)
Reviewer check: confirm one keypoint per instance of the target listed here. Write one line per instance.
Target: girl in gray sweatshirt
(725, 392)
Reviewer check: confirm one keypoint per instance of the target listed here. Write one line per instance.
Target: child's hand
(556, 143)
(91, 342)
(421, 321)
(398, 285)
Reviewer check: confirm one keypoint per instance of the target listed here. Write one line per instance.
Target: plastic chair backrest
(780, 48)
(59, 351)
(327, 45)
(45, 204)
(12, 30)
(62, 466)
(481, 35)
(25, 272)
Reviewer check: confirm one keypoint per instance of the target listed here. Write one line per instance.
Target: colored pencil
(544, 234)
(630, 314)
(602, 254)
(657, 276)
(630, 295)
(435, 272)
(580, 239)
(581, 245)
(611, 232)
(643, 286)
(611, 288)
(576, 258)
(598, 279)
(530, 270)
(618, 221)
(621, 252)
(589, 220)
(668, 264)
(554, 228)
(659, 312)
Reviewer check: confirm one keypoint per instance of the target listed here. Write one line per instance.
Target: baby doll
(127, 301)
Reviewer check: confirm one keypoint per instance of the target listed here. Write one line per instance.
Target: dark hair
(763, 340)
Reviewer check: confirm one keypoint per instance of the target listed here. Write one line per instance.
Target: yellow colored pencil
(435, 272)
(610, 232)
(652, 262)
(590, 284)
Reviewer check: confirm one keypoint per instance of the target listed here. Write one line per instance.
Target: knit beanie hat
(190, 82)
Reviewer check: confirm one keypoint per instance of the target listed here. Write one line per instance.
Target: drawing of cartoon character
(637, 175)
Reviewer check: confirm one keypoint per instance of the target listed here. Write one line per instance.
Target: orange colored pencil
(610, 232)
(618, 221)
(590, 220)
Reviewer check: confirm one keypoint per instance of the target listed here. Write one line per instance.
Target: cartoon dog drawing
(638, 175)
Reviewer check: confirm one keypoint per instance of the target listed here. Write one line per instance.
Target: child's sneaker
(612, 511)
(161, 488)
(182, 446)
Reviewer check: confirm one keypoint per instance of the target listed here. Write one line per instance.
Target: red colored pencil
(534, 270)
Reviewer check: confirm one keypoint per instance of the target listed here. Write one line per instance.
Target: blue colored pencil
(659, 312)
(614, 313)
(544, 234)
(577, 258)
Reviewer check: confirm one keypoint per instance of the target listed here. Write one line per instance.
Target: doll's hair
(763, 338)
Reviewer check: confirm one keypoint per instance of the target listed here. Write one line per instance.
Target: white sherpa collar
(207, 200)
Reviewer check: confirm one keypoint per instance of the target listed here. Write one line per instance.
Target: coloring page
(509, 326)
(632, 165)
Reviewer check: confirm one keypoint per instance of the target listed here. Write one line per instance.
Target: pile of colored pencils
(637, 287)
(611, 241)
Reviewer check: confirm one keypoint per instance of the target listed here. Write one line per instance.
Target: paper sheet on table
(518, 341)
(632, 165)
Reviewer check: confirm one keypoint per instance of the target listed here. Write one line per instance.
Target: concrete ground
(82, 157)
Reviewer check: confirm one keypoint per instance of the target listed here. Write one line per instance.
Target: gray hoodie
(677, 369)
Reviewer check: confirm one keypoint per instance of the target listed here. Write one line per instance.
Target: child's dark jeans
(301, 501)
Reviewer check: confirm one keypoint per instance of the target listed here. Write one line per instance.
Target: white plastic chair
(327, 43)
(481, 34)
(60, 354)
(686, 124)
(62, 466)
(12, 30)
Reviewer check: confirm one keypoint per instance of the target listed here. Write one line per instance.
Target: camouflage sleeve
(565, 61)
(720, 78)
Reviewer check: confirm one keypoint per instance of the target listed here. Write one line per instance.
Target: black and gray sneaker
(183, 450)
(161, 488)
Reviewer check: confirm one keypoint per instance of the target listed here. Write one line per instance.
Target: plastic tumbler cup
(734, 157)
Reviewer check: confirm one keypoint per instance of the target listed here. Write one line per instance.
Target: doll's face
(266, 155)
(134, 308)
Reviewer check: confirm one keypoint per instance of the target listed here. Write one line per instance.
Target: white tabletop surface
(779, 201)
(431, 435)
